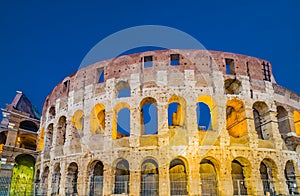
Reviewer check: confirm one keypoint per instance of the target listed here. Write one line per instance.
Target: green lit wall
(23, 175)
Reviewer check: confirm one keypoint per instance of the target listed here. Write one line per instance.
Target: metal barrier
(121, 184)
(149, 185)
(4, 185)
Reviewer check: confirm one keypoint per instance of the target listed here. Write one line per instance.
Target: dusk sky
(41, 42)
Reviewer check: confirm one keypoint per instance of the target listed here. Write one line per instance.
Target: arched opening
(122, 177)
(283, 121)
(209, 181)
(203, 116)
(123, 89)
(149, 178)
(49, 137)
(232, 86)
(55, 180)
(148, 111)
(236, 123)
(26, 141)
(290, 176)
(23, 175)
(3, 136)
(44, 184)
(40, 140)
(29, 126)
(176, 111)
(297, 122)
(96, 178)
(37, 182)
(121, 121)
(178, 177)
(261, 120)
(51, 112)
(61, 131)
(71, 182)
(78, 120)
(97, 119)
(238, 178)
(266, 178)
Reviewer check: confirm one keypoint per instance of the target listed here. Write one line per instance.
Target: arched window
(97, 119)
(49, 137)
(203, 116)
(96, 178)
(123, 89)
(261, 119)
(55, 180)
(297, 122)
(123, 124)
(37, 182)
(149, 178)
(71, 182)
(176, 111)
(78, 120)
(122, 177)
(209, 182)
(44, 184)
(29, 125)
(238, 178)
(61, 131)
(178, 177)
(2, 140)
(26, 141)
(283, 121)
(77, 125)
(121, 121)
(148, 116)
(267, 169)
(22, 179)
(52, 112)
(232, 86)
(290, 177)
(236, 118)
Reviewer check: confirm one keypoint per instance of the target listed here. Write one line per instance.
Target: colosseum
(170, 122)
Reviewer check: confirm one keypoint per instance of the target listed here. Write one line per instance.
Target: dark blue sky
(41, 42)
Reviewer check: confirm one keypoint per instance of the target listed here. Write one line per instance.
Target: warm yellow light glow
(97, 119)
(236, 118)
(77, 120)
(297, 122)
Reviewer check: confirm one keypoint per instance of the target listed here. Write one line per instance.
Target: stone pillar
(81, 182)
(162, 122)
(135, 181)
(63, 180)
(135, 127)
(253, 179)
(280, 182)
(225, 182)
(11, 136)
(291, 121)
(192, 127)
(108, 179)
(164, 180)
(221, 128)
(194, 184)
(252, 134)
(274, 127)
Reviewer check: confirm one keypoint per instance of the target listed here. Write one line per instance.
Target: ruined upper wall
(201, 61)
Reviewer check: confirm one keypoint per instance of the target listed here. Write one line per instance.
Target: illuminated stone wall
(243, 151)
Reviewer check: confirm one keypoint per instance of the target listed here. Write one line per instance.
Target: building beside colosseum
(18, 145)
(170, 122)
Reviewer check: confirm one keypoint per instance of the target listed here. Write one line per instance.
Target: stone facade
(18, 145)
(249, 146)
